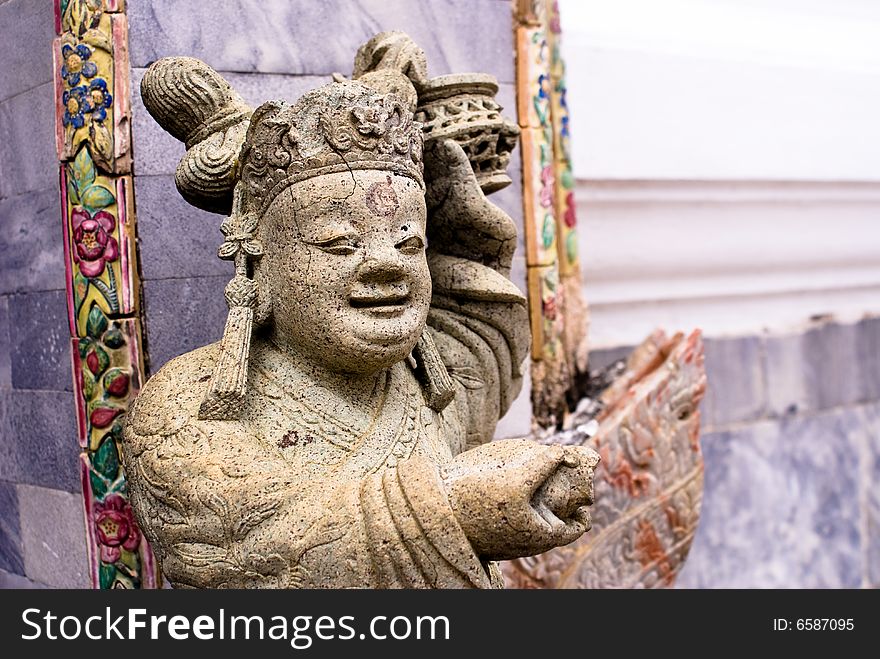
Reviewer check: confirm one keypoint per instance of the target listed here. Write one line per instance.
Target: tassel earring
(228, 385)
(431, 371)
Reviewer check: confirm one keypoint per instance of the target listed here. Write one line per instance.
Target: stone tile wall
(42, 534)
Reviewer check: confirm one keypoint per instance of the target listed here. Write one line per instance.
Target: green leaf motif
(567, 179)
(106, 576)
(88, 384)
(80, 291)
(571, 247)
(84, 169)
(106, 459)
(96, 197)
(546, 152)
(548, 232)
(116, 430)
(96, 322)
(99, 484)
(84, 344)
(72, 191)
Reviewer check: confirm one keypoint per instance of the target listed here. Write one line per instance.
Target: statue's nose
(382, 265)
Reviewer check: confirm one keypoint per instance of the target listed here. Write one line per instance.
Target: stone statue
(339, 434)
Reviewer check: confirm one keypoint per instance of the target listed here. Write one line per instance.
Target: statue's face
(345, 261)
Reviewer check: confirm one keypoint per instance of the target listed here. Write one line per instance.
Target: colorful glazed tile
(566, 220)
(77, 16)
(93, 135)
(564, 201)
(91, 93)
(559, 103)
(530, 12)
(99, 242)
(119, 555)
(107, 374)
(546, 305)
(533, 77)
(539, 219)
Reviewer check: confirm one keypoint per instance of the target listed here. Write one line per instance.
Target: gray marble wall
(42, 536)
(791, 441)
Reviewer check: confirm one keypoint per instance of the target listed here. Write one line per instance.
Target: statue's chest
(339, 442)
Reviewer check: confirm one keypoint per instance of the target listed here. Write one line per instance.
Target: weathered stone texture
(52, 533)
(158, 153)
(356, 328)
(11, 558)
(28, 145)
(32, 252)
(40, 342)
(39, 433)
(27, 30)
(5, 345)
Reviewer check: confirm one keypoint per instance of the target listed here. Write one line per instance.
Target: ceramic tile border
(556, 308)
(566, 221)
(93, 117)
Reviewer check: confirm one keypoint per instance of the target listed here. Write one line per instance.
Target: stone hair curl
(197, 106)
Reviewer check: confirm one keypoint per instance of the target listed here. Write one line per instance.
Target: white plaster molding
(729, 257)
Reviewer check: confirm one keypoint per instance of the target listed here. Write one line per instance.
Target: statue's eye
(411, 245)
(342, 245)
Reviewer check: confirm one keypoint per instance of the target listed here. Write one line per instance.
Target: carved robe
(290, 495)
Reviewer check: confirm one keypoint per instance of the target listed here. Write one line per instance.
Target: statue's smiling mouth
(382, 305)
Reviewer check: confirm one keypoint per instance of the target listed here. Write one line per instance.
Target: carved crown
(339, 127)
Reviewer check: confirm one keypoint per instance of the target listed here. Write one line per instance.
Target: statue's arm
(234, 517)
(478, 317)
(462, 222)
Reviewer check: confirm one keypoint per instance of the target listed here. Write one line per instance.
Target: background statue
(339, 433)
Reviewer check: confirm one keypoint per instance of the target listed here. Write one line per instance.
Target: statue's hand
(517, 498)
(568, 492)
(461, 220)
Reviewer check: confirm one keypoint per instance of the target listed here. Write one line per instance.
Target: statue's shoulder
(170, 399)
